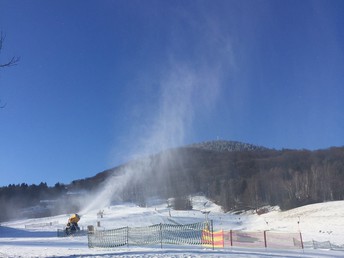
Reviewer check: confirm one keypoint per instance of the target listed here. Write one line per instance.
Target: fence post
(231, 237)
(89, 240)
(212, 233)
(265, 242)
(160, 236)
(128, 237)
(301, 240)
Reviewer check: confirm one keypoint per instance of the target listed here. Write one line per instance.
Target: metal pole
(128, 237)
(160, 236)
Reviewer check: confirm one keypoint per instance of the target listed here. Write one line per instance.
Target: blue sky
(102, 82)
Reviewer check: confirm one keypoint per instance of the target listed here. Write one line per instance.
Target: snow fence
(201, 234)
(326, 245)
(160, 234)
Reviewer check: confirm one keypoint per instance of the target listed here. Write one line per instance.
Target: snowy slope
(37, 237)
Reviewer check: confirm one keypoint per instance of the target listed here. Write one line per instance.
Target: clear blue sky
(101, 82)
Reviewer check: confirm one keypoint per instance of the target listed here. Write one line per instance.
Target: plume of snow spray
(185, 90)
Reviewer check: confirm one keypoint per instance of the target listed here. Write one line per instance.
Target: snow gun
(72, 225)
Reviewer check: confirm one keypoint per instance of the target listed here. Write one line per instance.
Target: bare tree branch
(2, 106)
(13, 61)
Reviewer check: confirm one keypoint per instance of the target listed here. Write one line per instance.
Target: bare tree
(11, 62)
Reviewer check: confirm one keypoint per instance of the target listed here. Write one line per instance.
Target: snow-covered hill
(37, 237)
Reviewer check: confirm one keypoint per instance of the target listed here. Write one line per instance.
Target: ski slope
(37, 237)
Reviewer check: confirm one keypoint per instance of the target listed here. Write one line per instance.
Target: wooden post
(265, 243)
(301, 240)
(90, 229)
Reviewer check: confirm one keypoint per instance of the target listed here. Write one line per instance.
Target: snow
(37, 237)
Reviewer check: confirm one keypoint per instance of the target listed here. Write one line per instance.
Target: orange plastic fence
(265, 239)
(215, 240)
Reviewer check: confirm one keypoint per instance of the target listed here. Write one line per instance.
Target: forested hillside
(234, 175)
(246, 179)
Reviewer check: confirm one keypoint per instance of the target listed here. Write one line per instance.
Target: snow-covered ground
(37, 237)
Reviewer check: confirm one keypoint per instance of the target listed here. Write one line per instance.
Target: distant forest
(245, 179)
(236, 180)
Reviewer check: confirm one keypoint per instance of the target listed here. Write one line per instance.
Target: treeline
(14, 199)
(286, 178)
(235, 180)
(29, 201)
(242, 180)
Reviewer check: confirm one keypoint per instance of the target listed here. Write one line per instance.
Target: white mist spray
(185, 90)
